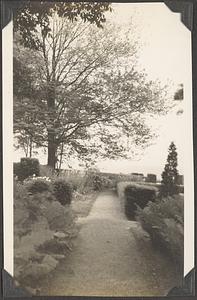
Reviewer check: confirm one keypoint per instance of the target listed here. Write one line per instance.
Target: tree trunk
(51, 152)
(51, 93)
(52, 147)
(61, 155)
(30, 147)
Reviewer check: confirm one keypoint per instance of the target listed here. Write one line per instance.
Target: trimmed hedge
(26, 167)
(151, 178)
(138, 195)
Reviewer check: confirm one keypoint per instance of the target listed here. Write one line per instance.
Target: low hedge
(138, 195)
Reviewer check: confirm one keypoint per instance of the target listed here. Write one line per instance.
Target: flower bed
(45, 214)
(39, 220)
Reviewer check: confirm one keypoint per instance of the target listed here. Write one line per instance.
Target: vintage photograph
(102, 135)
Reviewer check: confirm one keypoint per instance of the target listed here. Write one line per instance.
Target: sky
(165, 55)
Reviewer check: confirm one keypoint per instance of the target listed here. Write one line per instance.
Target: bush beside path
(45, 225)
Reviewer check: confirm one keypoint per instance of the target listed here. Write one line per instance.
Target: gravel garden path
(112, 257)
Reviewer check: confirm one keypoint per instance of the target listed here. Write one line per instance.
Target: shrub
(17, 169)
(168, 190)
(21, 215)
(180, 189)
(164, 221)
(137, 195)
(46, 171)
(33, 207)
(151, 178)
(62, 191)
(20, 191)
(53, 247)
(26, 168)
(36, 217)
(92, 181)
(108, 183)
(39, 185)
(75, 179)
(96, 182)
(58, 217)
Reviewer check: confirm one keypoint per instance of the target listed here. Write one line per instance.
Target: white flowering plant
(34, 177)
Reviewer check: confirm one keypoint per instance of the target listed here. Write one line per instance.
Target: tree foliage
(27, 105)
(170, 173)
(34, 14)
(81, 94)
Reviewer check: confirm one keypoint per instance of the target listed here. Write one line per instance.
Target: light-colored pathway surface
(108, 258)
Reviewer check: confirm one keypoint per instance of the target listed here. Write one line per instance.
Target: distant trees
(80, 93)
(170, 173)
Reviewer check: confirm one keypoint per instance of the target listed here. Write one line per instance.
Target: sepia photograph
(102, 159)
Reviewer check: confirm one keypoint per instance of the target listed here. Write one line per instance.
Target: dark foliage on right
(164, 221)
(170, 174)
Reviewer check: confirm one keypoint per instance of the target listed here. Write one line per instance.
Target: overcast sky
(165, 54)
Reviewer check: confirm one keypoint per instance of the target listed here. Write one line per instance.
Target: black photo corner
(188, 11)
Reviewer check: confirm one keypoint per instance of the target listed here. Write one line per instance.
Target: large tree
(89, 95)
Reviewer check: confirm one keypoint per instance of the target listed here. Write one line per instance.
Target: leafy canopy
(81, 91)
(100, 99)
(33, 14)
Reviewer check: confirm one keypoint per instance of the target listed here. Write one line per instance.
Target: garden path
(112, 257)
